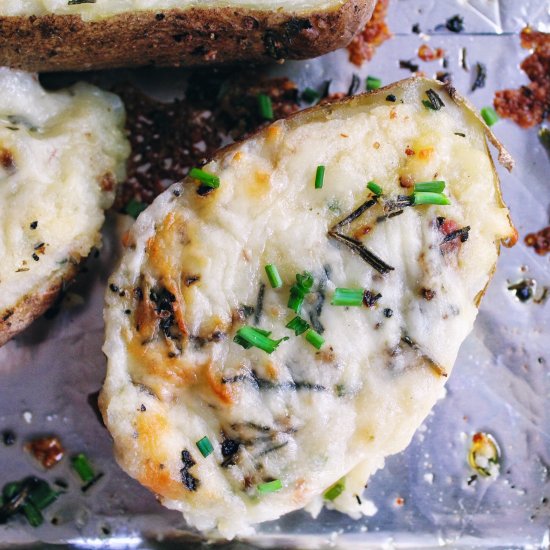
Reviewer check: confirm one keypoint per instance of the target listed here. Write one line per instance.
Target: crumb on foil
(530, 104)
(363, 47)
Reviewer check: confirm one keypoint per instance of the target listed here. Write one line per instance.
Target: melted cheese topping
(107, 8)
(61, 154)
(194, 274)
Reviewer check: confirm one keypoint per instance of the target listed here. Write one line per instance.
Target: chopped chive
(209, 180)
(373, 83)
(82, 467)
(134, 208)
(309, 95)
(33, 514)
(334, 491)
(298, 325)
(270, 487)
(429, 186)
(273, 276)
(375, 188)
(489, 116)
(303, 285)
(248, 337)
(434, 102)
(348, 297)
(314, 338)
(41, 494)
(430, 198)
(266, 106)
(319, 177)
(204, 446)
(305, 280)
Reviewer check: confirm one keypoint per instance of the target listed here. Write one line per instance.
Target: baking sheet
(501, 383)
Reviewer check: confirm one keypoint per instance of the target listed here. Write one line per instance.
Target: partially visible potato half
(232, 435)
(61, 155)
(52, 35)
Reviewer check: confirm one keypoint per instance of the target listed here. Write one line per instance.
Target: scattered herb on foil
(481, 76)
(489, 116)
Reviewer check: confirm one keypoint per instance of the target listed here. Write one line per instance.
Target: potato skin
(32, 306)
(191, 37)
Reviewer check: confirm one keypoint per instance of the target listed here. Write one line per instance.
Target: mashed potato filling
(285, 426)
(61, 155)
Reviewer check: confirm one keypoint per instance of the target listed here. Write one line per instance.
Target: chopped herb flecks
(315, 339)
(298, 292)
(209, 180)
(298, 325)
(270, 487)
(333, 492)
(266, 106)
(489, 116)
(273, 276)
(375, 188)
(434, 102)
(319, 177)
(373, 83)
(204, 446)
(248, 337)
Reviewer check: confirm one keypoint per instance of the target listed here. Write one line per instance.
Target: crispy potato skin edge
(32, 306)
(189, 37)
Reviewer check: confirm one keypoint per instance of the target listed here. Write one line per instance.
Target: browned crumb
(530, 105)
(363, 46)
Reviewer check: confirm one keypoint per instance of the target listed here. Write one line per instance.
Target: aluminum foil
(501, 383)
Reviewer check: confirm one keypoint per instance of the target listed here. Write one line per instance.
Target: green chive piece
(489, 116)
(42, 495)
(295, 302)
(334, 491)
(248, 337)
(319, 177)
(298, 292)
(298, 325)
(134, 208)
(348, 297)
(373, 83)
(429, 186)
(375, 188)
(210, 180)
(82, 467)
(273, 276)
(309, 95)
(266, 106)
(11, 489)
(430, 198)
(428, 104)
(33, 514)
(315, 339)
(305, 280)
(270, 487)
(204, 446)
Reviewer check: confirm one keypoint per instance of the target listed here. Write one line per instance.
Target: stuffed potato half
(386, 281)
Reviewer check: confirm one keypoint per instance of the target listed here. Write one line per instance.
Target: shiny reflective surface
(500, 384)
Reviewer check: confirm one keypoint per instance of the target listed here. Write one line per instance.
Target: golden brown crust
(195, 36)
(30, 307)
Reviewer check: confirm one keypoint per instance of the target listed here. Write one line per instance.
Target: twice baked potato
(61, 155)
(238, 397)
(53, 35)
